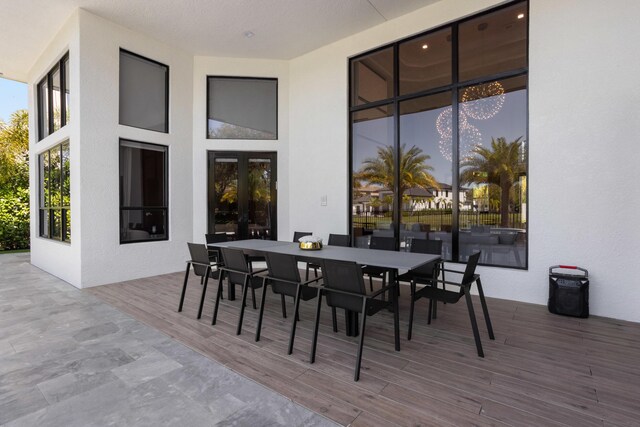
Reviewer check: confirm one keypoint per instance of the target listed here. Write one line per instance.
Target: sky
(13, 96)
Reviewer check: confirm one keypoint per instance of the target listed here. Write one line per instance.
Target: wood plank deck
(542, 369)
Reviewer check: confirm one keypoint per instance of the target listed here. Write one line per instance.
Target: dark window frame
(166, 88)
(165, 189)
(49, 210)
(59, 66)
(209, 77)
(454, 87)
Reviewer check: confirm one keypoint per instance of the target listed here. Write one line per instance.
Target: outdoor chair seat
(203, 267)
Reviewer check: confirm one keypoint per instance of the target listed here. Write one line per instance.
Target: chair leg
(315, 272)
(356, 376)
(474, 324)
(284, 306)
(218, 295)
(295, 321)
(253, 297)
(262, 300)
(411, 307)
(371, 283)
(485, 309)
(334, 318)
(204, 291)
(396, 309)
(245, 287)
(184, 287)
(314, 342)
(306, 274)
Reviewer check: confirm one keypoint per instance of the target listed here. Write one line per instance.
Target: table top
(373, 257)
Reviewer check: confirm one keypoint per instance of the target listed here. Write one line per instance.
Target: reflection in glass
(495, 175)
(425, 62)
(54, 176)
(43, 113)
(259, 182)
(427, 172)
(226, 196)
(66, 91)
(143, 185)
(57, 107)
(373, 173)
(372, 77)
(493, 43)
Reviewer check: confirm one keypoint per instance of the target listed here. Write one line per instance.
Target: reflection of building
(371, 198)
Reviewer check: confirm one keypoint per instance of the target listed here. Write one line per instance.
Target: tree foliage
(14, 182)
(501, 165)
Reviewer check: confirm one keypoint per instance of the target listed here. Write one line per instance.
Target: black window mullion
(397, 214)
(455, 149)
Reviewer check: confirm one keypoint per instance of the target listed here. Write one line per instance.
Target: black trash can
(569, 293)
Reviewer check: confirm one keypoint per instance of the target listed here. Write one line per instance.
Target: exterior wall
(209, 66)
(104, 259)
(581, 127)
(58, 258)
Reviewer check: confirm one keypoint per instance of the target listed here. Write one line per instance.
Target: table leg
(394, 295)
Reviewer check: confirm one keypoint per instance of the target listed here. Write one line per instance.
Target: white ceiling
(283, 29)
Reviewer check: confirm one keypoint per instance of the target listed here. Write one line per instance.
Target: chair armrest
(255, 273)
(380, 291)
(311, 280)
(203, 264)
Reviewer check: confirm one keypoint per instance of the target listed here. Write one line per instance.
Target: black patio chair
(214, 253)
(238, 272)
(284, 279)
(202, 267)
(334, 240)
(344, 288)
(381, 243)
(426, 275)
(298, 234)
(469, 277)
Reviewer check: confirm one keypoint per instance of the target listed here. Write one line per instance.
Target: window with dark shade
(242, 108)
(439, 139)
(143, 191)
(144, 93)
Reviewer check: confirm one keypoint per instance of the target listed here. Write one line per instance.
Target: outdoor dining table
(394, 261)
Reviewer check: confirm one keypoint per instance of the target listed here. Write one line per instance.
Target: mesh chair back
(344, 276)
(470, 270)
(298, 234)
(199, 254)
(383, 243)
(283, 267)
(235, 260)
(424, 246)
(216, 237)
(339, 240)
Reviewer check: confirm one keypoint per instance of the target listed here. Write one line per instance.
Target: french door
(242, 194)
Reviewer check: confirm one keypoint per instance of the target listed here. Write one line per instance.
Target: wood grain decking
(542, 369)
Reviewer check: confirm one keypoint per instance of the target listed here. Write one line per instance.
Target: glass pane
(44, 222)
(67, 225)
(426, 170)
(142, 174)
(66, 177)
(494, 172)
(225, 197)
(425, 62)
(44, 180)
(55, 175)
(56, 94)
(240, 108)
(143, 93)
(493, 43)
(56, 224)
(66, 91)
(259, 183)
(43, 105)
(373, 173)
(143, 224)
(372, 77)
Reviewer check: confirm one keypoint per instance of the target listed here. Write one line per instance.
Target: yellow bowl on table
(310, 246)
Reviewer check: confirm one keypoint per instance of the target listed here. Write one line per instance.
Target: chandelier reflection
(470, 138)
(483, 101)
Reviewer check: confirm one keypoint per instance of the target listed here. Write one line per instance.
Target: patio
(542, 369)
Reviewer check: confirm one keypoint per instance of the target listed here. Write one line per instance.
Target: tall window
(53, 99)
(143, 191)
(242, 108)
(144, 93)
(439, 139)
(55, 200)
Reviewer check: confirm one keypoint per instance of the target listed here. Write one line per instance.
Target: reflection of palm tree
(500, 165)
(259, 187)
(414, 172)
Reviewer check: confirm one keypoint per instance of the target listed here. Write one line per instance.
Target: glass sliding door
(242, 195)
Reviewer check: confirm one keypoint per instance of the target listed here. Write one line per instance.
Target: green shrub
(14, 219)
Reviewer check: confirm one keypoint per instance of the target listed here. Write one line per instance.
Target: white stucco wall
(104, 259)
(209, 66)
(58, 258)
(582, 127)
